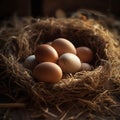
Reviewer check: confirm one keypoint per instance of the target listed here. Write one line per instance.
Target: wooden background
(49, 7)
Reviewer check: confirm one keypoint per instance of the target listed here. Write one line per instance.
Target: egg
(46, 53)
(30, 62)
(49, 43)
(85, 67)
(85, 54)
(63, 46)
(47, 72)
(69, 63)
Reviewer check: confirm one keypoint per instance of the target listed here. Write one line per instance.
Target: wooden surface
(12, 7)
(49, 7)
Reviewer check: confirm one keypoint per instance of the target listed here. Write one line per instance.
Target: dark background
(40, 8)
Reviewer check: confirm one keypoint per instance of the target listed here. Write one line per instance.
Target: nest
(94, 90)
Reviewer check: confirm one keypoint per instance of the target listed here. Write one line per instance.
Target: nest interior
(94, 90)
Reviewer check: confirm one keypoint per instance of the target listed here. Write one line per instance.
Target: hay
(92, 90)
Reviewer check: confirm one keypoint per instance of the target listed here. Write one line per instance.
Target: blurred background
(47, 8)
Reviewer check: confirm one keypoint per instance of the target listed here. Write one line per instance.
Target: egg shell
(85, 67)
(30, 62)
(69, 63)
(49, 43)
(63, 46)
(47, 72)
(85, 54)
(46, 53)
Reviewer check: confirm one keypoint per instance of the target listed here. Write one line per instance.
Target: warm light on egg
(69, 63)
(46, 53)
(63, 46)
(47, 72)
(85, 54)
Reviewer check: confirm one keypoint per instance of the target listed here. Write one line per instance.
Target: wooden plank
(11, 7)
(50, 6)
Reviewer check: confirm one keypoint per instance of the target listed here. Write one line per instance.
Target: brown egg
(69, 63)
(47, 72)
(85, 67)
(46, 53)
(85, 54)
(63, 46)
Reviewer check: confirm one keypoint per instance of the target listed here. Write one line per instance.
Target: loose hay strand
(12, 105)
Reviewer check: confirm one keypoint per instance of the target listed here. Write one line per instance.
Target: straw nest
(91, 90)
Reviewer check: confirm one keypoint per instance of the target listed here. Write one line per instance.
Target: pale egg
(47, 72)
(46, 53)
(30, 62)
(63, 46)
(69, 63)
(85, 54)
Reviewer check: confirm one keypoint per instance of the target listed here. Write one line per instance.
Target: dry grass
(86, 92)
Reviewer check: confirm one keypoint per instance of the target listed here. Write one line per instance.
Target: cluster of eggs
(51, 60)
